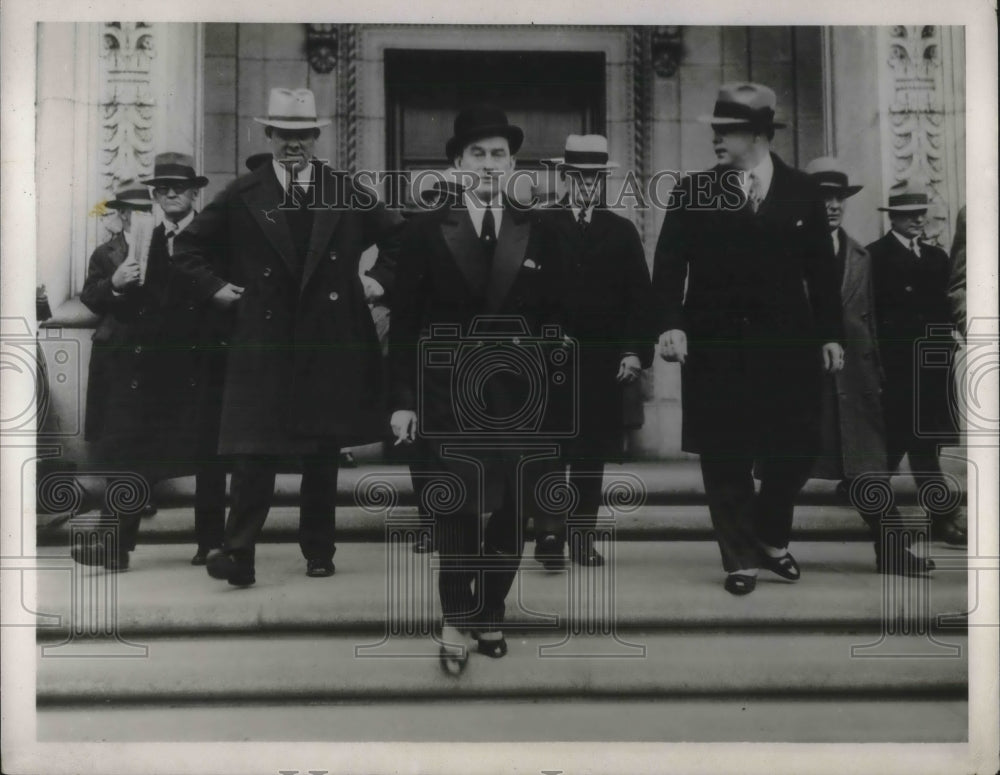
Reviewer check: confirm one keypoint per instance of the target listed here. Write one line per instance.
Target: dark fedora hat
(479, 121)
(750, 104)
(257, 159)
(908, 202)
(173, 167)
(831, 177)
(131, 195)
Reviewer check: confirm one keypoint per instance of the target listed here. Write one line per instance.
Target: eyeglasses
(177, 188)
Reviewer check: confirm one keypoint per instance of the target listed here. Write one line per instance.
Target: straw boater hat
(477, 122)
(292, 109)
(585, 152)
(175, 168)
(831, 177)
(131, 195)
(909, 202)
(751, 104)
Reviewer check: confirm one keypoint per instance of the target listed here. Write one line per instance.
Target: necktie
(300, 195)
(170, 234)
(754, 194)
(581, 220)
(488, 234)
(915, 247)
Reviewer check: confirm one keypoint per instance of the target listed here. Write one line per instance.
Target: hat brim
(304, 124)
(723, 121)
(125, 204)
(514, 135)
(905, 208)
(198, 181)
(843, 191)
(609, 165)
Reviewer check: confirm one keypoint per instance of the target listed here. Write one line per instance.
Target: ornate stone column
(921, 87)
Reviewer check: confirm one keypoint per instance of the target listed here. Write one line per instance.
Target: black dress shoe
(587, 556)
(904, 563)
(949, 531)
(319, 569)
(740, 583)
(237, 570)
(785, 566)
(201, 556)
(491, 647)
(95, 555)
(423, 544)
(347, 460)
(549, 552)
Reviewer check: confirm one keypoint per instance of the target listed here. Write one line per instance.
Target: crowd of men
(240, 339)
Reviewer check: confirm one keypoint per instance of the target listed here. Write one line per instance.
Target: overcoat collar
(263, 196)
(467, 253)
(855, 268)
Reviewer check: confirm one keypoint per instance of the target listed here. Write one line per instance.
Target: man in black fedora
(609, 310)
(914, 315)
(852, 426)
(304, 368)
(750, 307)
(160, 384)
(475, 255)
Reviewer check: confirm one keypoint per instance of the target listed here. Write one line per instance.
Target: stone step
(646, 586)
(691, 522)
(662, 665)
(661, 482)
(691, 720)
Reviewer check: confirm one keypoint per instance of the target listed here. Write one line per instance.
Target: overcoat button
(142, 311)
(333, 255)
(138, 349)
(267, 314)
(909, 289)
(334, 296)
(267, 271)
(135, 384)
(192, 382)
(191, 307)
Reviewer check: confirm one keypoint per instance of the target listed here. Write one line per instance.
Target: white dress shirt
(303, 177)
(477, 210)
(764, 172)
(910, 244)
(172, 229)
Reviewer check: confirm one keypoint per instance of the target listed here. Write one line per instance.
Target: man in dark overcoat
(471, 380)
(852, 425)
(156, 367)
(609, 311)
(754, 327)
(281, 246)
(911, 280)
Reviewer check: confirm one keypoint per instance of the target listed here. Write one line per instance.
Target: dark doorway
(548, 94)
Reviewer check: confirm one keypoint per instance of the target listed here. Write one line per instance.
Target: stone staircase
(650, 636)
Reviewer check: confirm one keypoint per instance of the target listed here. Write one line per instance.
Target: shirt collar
(576, 213)
(906, 243)
(764, 172)
(172, 228)
(303, 177)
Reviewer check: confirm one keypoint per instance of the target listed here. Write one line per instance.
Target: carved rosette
(127, 103)
(916, 119)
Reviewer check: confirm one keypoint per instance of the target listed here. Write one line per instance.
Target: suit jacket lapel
(463, 244)
(262, 199)
(512, 241)
(776, 193)
(324, 222)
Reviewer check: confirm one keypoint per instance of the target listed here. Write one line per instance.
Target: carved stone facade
(918, 153)
(127, 102)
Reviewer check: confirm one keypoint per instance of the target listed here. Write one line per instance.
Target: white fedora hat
(292, 109)
(585, 152)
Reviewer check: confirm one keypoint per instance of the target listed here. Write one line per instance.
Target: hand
(628, 370)
(404, 426)
(227, 296)
(126, 274)
(673, 345)
(373, 288)
(833, 357)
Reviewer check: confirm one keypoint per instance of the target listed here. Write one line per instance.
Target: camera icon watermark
(39, 364)
(498, 381)
(969, 374)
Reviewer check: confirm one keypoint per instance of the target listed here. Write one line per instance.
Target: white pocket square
(529, 264)
(798, 223)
